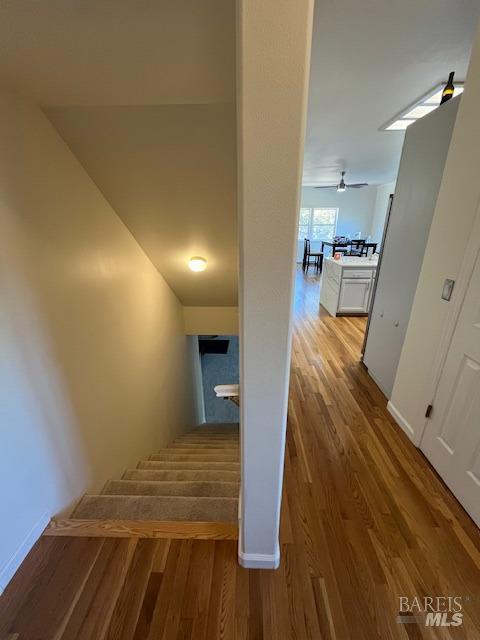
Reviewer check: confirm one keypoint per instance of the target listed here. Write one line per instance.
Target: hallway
(381, 524)
(365, 521)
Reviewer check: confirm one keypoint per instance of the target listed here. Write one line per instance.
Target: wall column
(274, 38)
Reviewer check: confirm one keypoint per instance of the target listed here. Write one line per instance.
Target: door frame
(461, 287)
(373, 292)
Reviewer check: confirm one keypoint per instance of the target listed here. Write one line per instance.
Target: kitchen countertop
(353, 261)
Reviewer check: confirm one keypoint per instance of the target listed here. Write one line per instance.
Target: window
(317, 223)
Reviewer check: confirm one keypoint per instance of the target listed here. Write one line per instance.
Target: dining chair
(357, 248)
(307, 254)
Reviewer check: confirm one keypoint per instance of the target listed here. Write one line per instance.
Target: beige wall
(273, 60)
(169, 173)
(208, 320)
(94, 371)
(449, 234)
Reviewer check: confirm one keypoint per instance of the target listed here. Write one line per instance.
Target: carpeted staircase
(196, 478)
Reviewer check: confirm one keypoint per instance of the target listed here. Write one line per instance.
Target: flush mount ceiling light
(429, 102)
(197, 263)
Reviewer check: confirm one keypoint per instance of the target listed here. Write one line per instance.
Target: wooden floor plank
(143, 529)
(198, 588)
(91, 618)
(128, 606)
(48, 604)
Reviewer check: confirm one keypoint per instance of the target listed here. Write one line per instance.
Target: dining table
(347, 243)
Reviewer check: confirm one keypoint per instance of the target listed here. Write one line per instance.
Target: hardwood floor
(365, 521)
(143, 529)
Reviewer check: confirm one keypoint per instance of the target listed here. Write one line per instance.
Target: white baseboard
(402, 423)
(257, 560)
(8, 571)
(379, 384)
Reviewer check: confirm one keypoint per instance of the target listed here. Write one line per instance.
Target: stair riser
(179, 466)
(218, 427)
(192, 457)
(149, 488)
(203, 447)
(185, 475)
(195, 439)
(169, 508)
(210, 434)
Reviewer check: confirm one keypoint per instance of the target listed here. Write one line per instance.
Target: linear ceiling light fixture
(429, 102)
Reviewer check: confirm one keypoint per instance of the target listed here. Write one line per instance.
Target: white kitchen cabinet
(346, 285)
(354, 295)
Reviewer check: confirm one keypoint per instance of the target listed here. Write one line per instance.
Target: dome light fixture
(197, 263)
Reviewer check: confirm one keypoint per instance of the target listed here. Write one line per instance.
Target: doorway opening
(217, 364)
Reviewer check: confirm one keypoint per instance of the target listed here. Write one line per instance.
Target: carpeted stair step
(200, 449)
(168, 488)
(194, 456)
(199, 442)
(223, 427)
(203, 446)
(166, 508)
(171, 465)
(219, 429)
(179, 475)
(209, 439)
(209, 433)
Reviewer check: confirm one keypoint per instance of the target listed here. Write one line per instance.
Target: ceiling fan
(342, 186)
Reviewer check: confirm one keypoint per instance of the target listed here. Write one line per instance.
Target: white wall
(197, 379)
(421, 168)
(355, 207)
(94, 372)
(273, 58)
(380, 210)
(452, 223)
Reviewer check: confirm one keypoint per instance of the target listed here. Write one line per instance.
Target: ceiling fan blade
(329, 186)
(357, 185)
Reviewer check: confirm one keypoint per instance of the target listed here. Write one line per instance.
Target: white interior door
(452, 438)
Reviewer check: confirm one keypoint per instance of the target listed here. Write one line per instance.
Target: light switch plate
(447, 289)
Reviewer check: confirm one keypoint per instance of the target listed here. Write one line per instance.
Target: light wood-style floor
(365, 520)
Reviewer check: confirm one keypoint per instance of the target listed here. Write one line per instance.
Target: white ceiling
(371, 59)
